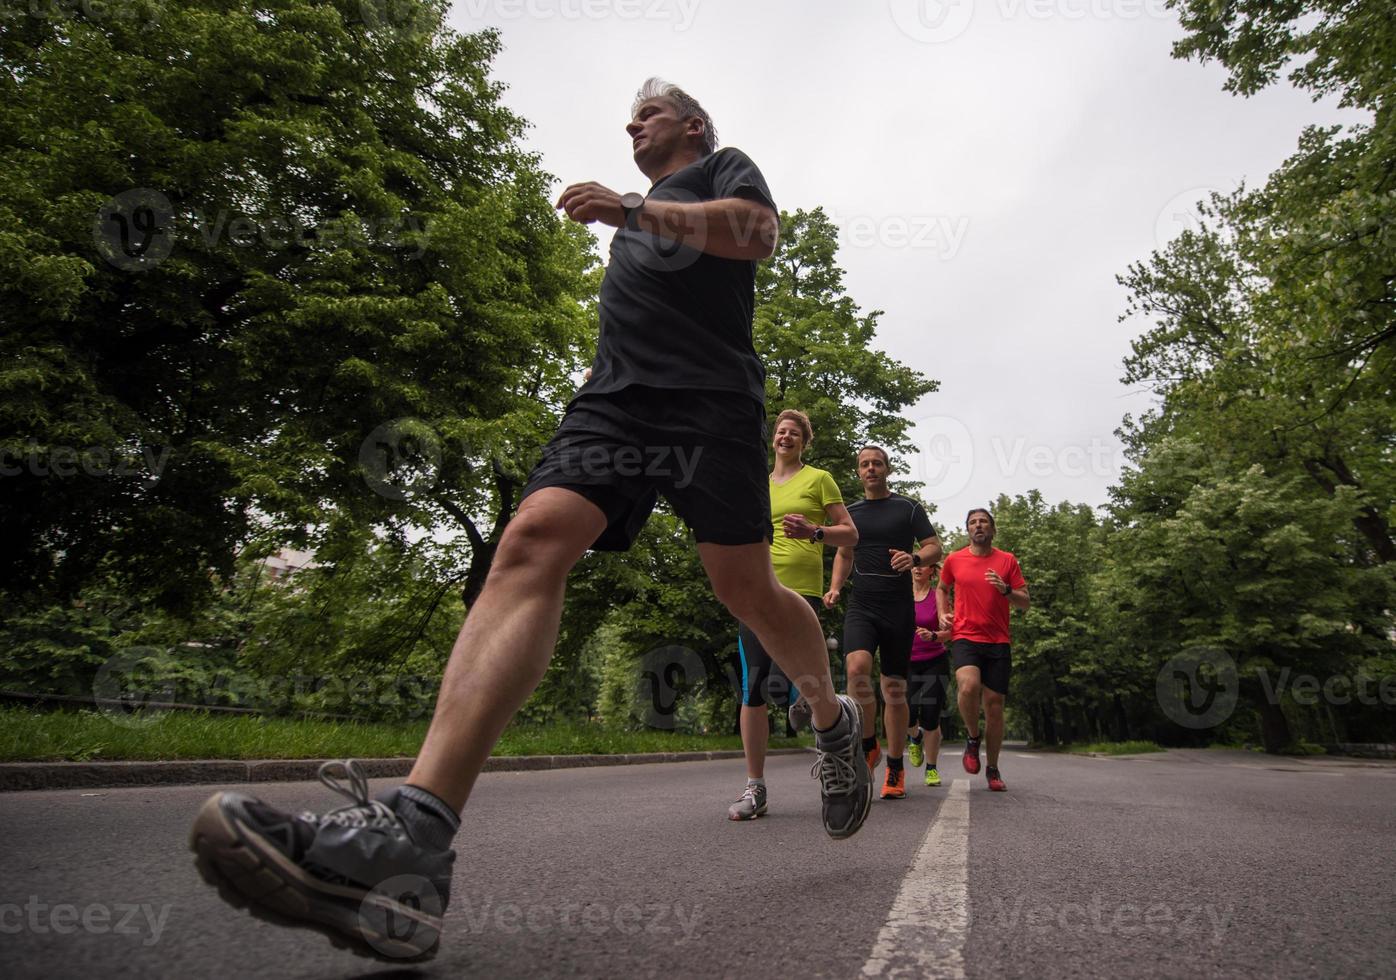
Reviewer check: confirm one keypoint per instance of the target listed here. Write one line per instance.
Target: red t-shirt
(981, 610)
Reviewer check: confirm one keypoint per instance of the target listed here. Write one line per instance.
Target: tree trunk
(1274, 726)
(1122, 733)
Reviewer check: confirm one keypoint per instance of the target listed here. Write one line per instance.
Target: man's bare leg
(968, 686)
(787, 627)
(789, 631)
(896, 714)
(504, 647)
(858, 663)
(993, 725)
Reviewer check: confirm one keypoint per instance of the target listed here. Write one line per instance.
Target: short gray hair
(687, 106)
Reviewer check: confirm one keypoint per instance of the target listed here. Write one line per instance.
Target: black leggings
(927, 685)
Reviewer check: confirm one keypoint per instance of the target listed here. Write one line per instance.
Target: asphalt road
(1179, 865)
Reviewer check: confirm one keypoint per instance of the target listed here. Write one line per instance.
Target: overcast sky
(992, 164)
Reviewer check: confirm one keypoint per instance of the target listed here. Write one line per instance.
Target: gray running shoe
(750, 806)
(799, 715)
(844, 777)
(353, 874)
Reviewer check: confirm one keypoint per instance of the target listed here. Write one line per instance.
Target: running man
(807, 513)
(928, 678)
(674, 406)
(894, 536)
(985, 583)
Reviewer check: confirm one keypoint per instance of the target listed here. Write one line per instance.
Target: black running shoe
(353, 874)
(845, 780)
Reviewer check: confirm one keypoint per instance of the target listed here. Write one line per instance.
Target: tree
(293, 254)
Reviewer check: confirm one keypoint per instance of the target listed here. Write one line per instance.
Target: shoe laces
(348, 779)
(835, 772)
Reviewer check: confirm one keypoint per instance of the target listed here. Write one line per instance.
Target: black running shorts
(992, 659)
(704, 451)
(763, 682)
(884, 631)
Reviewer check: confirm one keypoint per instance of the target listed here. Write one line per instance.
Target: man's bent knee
(531, 546)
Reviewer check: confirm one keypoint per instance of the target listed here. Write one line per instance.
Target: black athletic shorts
(927, 682)
(705, 451)
(992, 659)
(763, 682)
(885, 631)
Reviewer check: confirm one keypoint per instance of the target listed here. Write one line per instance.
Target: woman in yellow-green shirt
(807, 514)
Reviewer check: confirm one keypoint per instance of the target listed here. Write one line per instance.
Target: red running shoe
(996, 783)
(971, 758)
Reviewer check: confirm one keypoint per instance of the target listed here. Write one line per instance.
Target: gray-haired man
(675, 371)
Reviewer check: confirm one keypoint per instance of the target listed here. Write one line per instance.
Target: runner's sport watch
(819, 534)
(631, 204)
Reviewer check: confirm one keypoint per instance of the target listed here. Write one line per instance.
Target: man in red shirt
(986, 582)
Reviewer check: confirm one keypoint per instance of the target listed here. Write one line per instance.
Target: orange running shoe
(874, 757)
(894, 786)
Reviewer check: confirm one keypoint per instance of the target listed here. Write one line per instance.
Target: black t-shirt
(673, 316)
(891, 522)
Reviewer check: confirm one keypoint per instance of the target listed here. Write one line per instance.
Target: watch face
(631, 200)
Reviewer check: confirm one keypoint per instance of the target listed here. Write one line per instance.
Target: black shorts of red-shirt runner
(762, 680)
(992, 659)
(703, 451)
(926, 685)
(884, 630)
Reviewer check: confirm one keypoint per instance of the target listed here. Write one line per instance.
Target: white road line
(925, 932)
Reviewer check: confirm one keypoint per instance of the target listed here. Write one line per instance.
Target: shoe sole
(760, 812)
(867, 805)
(965, 761)
(260, 879)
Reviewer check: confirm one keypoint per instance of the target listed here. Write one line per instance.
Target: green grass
(83, 736)
(1113, 748)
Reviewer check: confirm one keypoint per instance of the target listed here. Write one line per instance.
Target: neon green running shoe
(932, 776)
(913, 751)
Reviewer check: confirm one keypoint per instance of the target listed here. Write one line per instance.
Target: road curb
(18, 776)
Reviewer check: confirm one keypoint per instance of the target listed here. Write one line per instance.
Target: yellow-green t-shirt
(799, 564)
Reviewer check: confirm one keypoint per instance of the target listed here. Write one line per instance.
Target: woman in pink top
(928, 675)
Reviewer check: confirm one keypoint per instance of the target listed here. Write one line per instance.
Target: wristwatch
(1006, 589)
(915, 560)
(631, 204)
(819, 534)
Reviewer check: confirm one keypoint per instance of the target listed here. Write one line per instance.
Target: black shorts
(926, 685)
(763, 682)
(885, 631)
(705, 451)
(992, 659)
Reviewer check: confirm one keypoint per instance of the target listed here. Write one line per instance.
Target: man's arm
(843, 564)
(729, 228)
(1017, 598)
(930, 550)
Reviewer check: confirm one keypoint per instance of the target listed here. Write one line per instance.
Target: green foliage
(367, 299)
